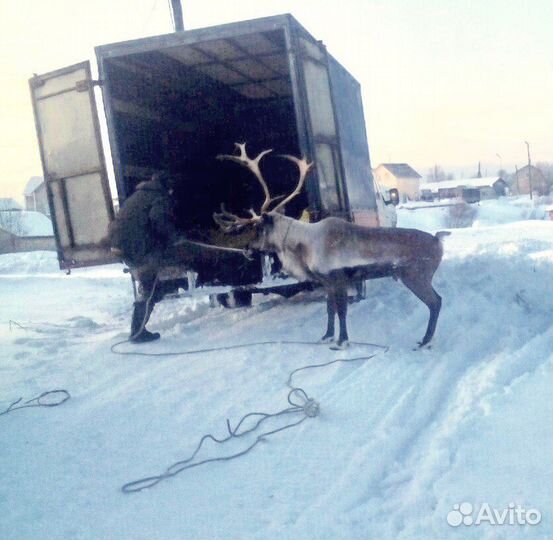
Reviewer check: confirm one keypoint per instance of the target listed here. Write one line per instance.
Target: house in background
(468, 189)
(35, 195)
(520, 181)
(22, 230)
(401, 177)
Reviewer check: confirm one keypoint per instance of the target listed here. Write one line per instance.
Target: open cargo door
(324, 131)
(73, 162)
(354, 149)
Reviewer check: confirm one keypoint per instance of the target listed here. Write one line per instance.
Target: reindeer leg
(423, 290)
(342, 309)
(331, 313)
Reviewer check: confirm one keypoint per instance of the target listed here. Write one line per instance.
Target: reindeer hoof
(340, 346)
(327, 339)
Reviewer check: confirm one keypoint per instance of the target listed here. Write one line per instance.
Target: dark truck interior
(176, 109)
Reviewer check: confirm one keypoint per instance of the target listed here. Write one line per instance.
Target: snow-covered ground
(432, 216)
(400, 439)
(26, 223)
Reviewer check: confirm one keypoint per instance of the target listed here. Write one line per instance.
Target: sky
(446, 82)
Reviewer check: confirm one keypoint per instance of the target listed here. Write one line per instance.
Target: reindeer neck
(288, 227)
(288, 233)
(289, 238)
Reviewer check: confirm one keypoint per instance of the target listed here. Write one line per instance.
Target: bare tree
(12, 221)
(461, 215)
(436, 174)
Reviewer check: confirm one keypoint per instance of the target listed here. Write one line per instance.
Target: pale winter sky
(451, 82)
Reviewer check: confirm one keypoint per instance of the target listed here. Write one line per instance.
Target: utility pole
(176, 15)
(529, 169)
(518, 186)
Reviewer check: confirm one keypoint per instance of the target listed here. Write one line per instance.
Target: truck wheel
(235, 298)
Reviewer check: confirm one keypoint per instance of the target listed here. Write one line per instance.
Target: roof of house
(9, 204)
(401, 170)
(27, 223)
(487, 181)
(32, 185)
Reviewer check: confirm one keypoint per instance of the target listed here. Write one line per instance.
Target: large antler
(304, 168)
(231, 222)
(253, 166)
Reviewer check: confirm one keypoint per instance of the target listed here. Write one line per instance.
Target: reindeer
(335, 252)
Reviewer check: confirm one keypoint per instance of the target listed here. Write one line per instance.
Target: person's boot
(140, 317)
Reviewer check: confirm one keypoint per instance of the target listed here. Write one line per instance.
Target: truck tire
(235, 298)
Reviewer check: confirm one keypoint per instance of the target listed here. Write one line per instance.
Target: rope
(29, 325)
(61, 397)
(298, 399)
(221, 348)
(15, 323)
(244, 252)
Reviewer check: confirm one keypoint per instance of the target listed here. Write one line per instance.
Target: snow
(486, 181)
(36, 224)
(400, 440)
(27, 223)
(434, 216)
(9, 204)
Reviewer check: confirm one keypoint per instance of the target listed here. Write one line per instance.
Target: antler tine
(226, 226)
(226, 213)
(304, 167)
(253, 166)
(231, 222)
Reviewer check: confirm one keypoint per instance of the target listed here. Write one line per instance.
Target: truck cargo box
(174, 102)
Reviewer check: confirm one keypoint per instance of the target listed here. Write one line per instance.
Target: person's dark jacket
(144, 226)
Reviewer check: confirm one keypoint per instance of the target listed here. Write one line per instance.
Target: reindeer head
(264, 221)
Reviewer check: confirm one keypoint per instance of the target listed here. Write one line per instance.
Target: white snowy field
(400, 439)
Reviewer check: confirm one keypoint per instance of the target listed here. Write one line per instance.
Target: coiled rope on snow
(61, 397)
(298, 400)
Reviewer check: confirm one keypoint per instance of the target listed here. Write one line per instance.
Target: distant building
(22, 230)
(401, 177)
(35, 195)
(469, 189)
(9, 204)
(520, 181)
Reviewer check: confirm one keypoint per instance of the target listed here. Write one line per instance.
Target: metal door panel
(73, 161)
(319, 99)
(67, 138)
(348, 108)
(322, 125)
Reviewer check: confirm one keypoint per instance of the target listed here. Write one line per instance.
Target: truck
(172, 103)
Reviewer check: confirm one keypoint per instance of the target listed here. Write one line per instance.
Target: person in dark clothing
(143, 234)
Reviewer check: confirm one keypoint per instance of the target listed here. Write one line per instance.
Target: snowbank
(435, 216)
(27, 223)
(401, 440)
(45, 264)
